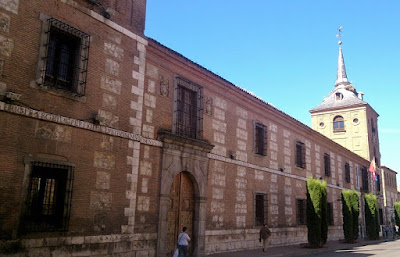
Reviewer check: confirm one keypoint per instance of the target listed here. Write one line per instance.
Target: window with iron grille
(380, 216)
(327, 165)
(260, 138)
(300, 155)
(347, 172)
(261, 207)
(301, 211)
(330, 214)
(338, 123)
(378, 183)
(48, 200)
(188, 109)
(65, 60)
(364, 179)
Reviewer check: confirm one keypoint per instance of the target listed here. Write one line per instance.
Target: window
(372, 126)
(327, 164)
(300, 155)
(188, 111)
(65, 57)
(261, 203)
(260, 139)
(378, 183)
(347, 172)
(48, 198)
(330, 214)
(364, 179)
(339, 96)
(301, 211)
(380, 216)
(338, 123)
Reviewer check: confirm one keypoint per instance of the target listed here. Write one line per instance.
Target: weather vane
(339, 35)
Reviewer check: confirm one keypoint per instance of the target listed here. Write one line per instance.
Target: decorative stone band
(31, 113)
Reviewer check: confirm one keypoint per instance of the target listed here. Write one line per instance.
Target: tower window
(338, 123)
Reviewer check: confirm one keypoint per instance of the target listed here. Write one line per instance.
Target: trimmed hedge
(371, 216)
(350, 211)
(317, 220)
(397, 213)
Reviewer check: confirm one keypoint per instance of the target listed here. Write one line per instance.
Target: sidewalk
(298, 250)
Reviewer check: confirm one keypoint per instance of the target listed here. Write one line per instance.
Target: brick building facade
(112, 142)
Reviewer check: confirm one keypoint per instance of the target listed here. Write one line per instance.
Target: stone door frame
(181, 154)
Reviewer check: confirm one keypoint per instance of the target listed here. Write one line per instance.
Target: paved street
(360, 249)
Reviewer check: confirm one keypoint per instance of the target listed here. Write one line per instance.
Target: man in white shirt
(183, 242)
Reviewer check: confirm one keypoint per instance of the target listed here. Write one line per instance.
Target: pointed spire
(341, 77)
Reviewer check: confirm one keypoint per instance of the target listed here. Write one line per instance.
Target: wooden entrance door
(181, 211)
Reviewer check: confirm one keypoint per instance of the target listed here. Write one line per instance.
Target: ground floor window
(261, 207)
(48, 198)
(301, 211)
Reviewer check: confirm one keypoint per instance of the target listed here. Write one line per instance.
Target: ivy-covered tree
(350, 211)
(371, 216)
(317, 222)
(397, 213)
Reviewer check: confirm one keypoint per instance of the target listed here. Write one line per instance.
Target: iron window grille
(261, 207)
(66, 57)
(188, 111)
(301, 211)
(327, 165)
(338, 124)
(378, 182)
(48, 201)
(347, 172)
(300, 155)
(260, 139)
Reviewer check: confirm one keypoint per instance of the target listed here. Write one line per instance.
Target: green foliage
(317, 222)
(397, 213)
(371, 216)
(350, 210)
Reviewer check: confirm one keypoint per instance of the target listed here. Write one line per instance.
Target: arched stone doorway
(181, 211)
(181, 154)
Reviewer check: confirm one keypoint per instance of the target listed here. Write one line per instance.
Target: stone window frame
(301, 211)
(79, 85)
(25, 227)
(338, 124)
(260, 141)
(185, 84)
(300, 157)
(264, 195)
(327, 165)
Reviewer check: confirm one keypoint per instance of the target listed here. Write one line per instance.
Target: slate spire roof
(345, 94)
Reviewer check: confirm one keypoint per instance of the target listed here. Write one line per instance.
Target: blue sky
(285, 51)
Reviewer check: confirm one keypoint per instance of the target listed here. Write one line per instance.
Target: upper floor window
(48, 198)
(364, 179)
(327, 164)
(65, 57)
(347, 172)
(188, 111)
(260, 139)
(300, 155)
(378, 183)
(338, 123)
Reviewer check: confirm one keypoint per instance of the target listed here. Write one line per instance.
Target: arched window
(338, 123)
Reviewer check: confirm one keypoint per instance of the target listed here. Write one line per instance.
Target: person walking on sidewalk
(183, 242)
(265, 233)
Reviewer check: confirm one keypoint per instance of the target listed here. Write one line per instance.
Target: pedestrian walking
(183, 243)
(265, 233)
